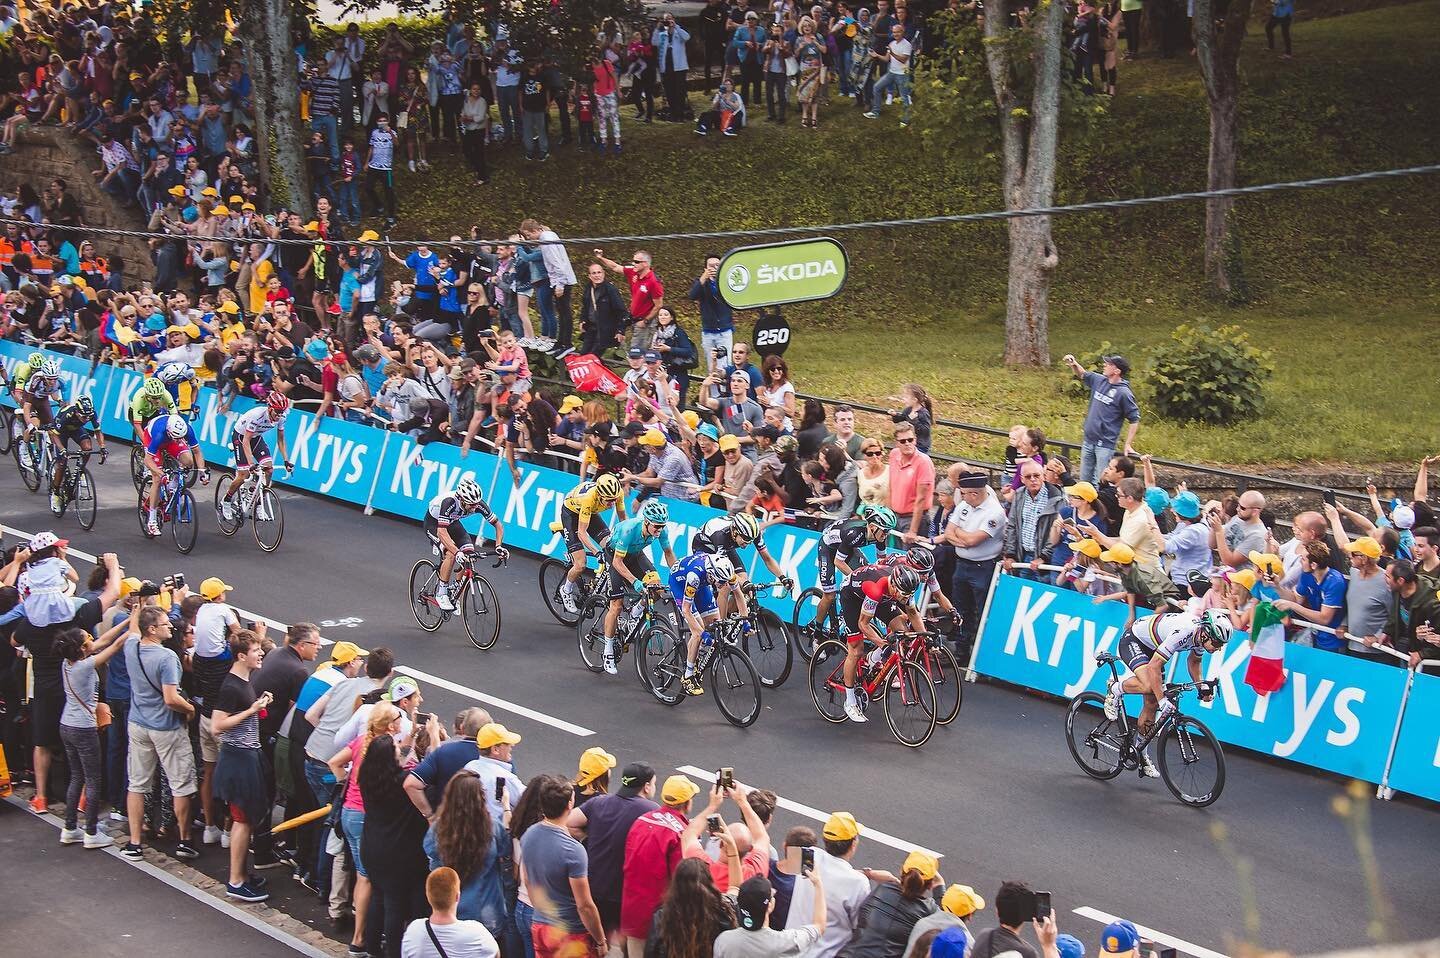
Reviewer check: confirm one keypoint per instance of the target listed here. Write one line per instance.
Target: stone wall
(47, 152)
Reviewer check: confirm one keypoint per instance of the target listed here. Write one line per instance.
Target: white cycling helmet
(50, 369)
(722, 570)
(1215, 627)
(468, 492)
(176, 428)
(173, 374)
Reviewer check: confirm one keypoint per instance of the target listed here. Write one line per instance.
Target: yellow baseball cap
(691, 417)
(236, 199)
(312, 227)
(247, 207)
(230, 307)
(1120, 553)
(345, 652)
(569, 404)
(594, 762)
(1267, 562)
(728, 442)
(369, 236)
(210, 191)
(129, 586)
(1089, 547)
(220, 210)
(652, 437)
(678, 790)
(177, 191)
(961, 900)
(1082, 490)
(924, 863)
(1366, 546)
(1245, 577)
(494, 734)
(841, 827)
(214, 587)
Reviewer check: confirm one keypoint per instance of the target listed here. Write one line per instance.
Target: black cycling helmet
(921, 559)
(905, 579)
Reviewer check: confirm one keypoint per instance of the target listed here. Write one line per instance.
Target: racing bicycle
(140, 475)
(1191, 762)
(899, 680)
(10, 426)
(722, 664)
(35, 453)
(552, 578)
(255, 500)
(810, 631)
(176, 506)
(646, 624)
(767, 643)
(470, 592)
(77, 487)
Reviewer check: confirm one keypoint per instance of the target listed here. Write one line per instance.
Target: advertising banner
(1335, 712)
(1416, 767)
(776, 273)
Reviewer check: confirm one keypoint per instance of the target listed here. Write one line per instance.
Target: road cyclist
(583, 527)
(247, 442)
(630, 567)
(726, 536)
(446, 534)
(921, 558)
(695, 582)
(840, 548)
(874, 592)
(76, 421)
(151, 400)
(170, 435)
(35, 386)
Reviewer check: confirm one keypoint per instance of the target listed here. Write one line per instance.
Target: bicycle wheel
(29, 457)
(939, 663)
(423, 581)
(138, 472)
(768, 648)
(7, 426)
(1192, 762)
(590, 632)
(660, 662)
(1096, 743)
(183, 525)
(827, 681)
(142, 508)
(85, 499)
(268, 521)
(552, 577)
(808, 633)
(735, 686)
(229, 527)
(480, 612)
(910, 705)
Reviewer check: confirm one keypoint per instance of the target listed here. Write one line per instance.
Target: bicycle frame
(1172, 694)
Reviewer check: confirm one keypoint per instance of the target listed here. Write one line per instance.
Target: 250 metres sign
(776, 273)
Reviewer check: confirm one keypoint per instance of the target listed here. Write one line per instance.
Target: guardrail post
(379, 469)
(1383, 791)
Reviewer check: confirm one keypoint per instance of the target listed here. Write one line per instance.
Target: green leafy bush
(1209, 375)
(1091, 360)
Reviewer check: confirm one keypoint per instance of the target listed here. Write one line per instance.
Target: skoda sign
(754, 276)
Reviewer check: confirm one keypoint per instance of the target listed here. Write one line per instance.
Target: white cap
(1403, 517)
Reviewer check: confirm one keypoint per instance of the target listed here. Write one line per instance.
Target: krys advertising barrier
(388, 471)
(1335, 713)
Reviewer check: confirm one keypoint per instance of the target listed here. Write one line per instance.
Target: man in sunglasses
(912, 483)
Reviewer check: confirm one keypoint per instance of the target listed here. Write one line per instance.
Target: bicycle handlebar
(1205, 686)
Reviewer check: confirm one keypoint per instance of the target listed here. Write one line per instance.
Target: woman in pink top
(384, 720)
(607, 103)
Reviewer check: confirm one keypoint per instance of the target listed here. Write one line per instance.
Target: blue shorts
(702, 601)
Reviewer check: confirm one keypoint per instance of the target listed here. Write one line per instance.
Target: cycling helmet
(863, 510)
(36, 360)
(721, 569)
(173, 374)
(883, 519)
(85, 407)
(468, 491)
(176, 428)
(153, 388)
(655, 512)
(904, 579)
(50, 369)
(921, 559)
(608, 486)
(278, 402)
(1215, 627)
(745, 527)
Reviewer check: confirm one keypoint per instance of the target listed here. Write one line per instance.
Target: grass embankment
(1343, 281)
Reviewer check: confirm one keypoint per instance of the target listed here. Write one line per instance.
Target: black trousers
(386, 180)
(675, 82)
(1132, 31)
(599, 338)
(968, 590)
(751, 76)
(474, 144)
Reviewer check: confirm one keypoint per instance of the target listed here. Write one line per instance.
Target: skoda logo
(737, 278)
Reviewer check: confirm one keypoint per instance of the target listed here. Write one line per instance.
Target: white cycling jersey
(256, 422)
(1168, 633)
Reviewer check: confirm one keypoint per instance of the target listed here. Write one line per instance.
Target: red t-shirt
(652, 853)
(644, 293)
(329, 379)
(604, 83)
(754, 863)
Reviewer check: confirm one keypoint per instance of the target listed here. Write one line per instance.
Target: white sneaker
(1147, 767)
(98, 840)
(567, 599)
(224, 839)
(442, 600)
(118, 817)
(227, 512)
(1112, 701)
(153, 527)
(211, 835)
(608, 660)
(412, 166)
(55, 504)
(853, 713)
(71, 836)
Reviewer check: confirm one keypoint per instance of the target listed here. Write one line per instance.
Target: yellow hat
(1120, 553)
(569, 404)
(129, 585)
(1268, 562)
(177, 191)
(961, 900)
(137, 76)
(236, 199)
(594, 762)
(1082, 490)
(652, 437)
(369, 236)
(345, 652)
(126, 335)
(494, 734)
(312, 227)
(1245, 577)
(691, 417)
(220, 210)
(678, 790)
(1366, 546)
(841, 827)
(247, 207)
(229, 307)
(728, 442)
(1088, 547)
(926, 864)
(214, 587)
(210, 191)
(80, 281)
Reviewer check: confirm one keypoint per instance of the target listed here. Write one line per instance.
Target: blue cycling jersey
(690, 584)
(160, 433)
(629, 537)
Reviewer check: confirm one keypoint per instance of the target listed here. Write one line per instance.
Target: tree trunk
(1224, 125)
(278, 142)
(1027, 307)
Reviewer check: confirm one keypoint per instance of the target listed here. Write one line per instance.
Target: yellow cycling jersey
(585, 501)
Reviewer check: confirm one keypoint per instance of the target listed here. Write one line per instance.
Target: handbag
(792, 67)
(402, 119)
(101, 713)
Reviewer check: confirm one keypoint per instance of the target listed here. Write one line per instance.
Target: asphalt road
(997, 792)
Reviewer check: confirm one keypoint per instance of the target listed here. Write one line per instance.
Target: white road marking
(869, 834)
(1159, 937)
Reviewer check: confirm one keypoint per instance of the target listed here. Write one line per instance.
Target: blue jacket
(743, 35)
(661, 40)
(715, 314)
(482, 896)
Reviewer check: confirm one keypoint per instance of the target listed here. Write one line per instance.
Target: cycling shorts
(40, 406)
(638, 563)
(851, 601)
(261, 455)
(703, 602)
(829, 571)
(596, 528)
(174, 448)
(458, 533)
(80, 434)
(1134, 653)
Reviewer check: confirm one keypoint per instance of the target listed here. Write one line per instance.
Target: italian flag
(1265, 672)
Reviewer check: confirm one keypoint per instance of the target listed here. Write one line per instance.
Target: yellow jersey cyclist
(152, 399)
(630, 567)
(727, 535)
(442, 525)
(695, 583)
(584, 530)
(76, 421)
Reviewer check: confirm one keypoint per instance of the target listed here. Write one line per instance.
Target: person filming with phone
(755, 938)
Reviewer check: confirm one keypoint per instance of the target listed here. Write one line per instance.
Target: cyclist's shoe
(1147, 767)
(442, 599)
(1167, 708)
(55, 505)
(152, 527)
(608, 659)
(567, 599)
(1112, 701)
(853, 713)
(691, 685)
(227, 510)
